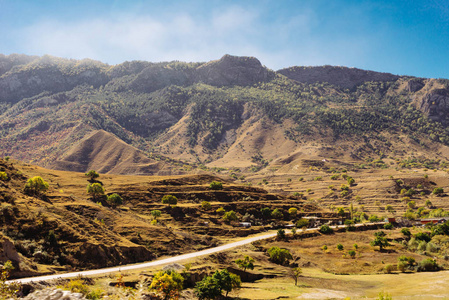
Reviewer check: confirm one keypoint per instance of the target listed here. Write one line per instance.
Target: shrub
(335, 176)
(169, 199)
(406, 232)
(438, 191)
(3, 176)
(351, 181)
(212, 287)
(293, 211)
(325, 229)
(246, 263)
(427, 265)
(156, 214)
(280, 234)
(36, 186)
(277, 214)
(422, 236)
(301, 223)
(389, 268)
(115, 200)
(266, 212)
(428, 203)
(279, 256)
(388, 226)
(389, 208)
(411, 204)
(229, 216)
(220, 210)
(216, 185)
(340, 247)
(324, 248)
(373, 218)
(167, 283)
(344, 187)
(96, 190)
(402, 266)
(206, 205)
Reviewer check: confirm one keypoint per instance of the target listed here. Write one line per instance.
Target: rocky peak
(340, 76)
(233, 70)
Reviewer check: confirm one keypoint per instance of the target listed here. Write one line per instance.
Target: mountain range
(175, 117)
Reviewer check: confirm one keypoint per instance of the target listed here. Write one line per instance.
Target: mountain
(175, 117)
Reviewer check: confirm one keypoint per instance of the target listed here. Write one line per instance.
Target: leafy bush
(266, 212)
(206, 205)
(422, 236)
(293, 211)
(246, 263)
(301, 223)
(388, 226)
(427, 265)
(230, 216)
(279, 256)
(277, 213)
(220, 210)
(96, 190)
(280, 234)
(438, 191)
(340, 247)
(3, 176)
(92, 174)
(169, 199)
(115, 200)
(212, 287)
(406, 232)
(352, 253)
(216, 185)
(36, 186)
(168, 284)
(325, 229)
(389, 269)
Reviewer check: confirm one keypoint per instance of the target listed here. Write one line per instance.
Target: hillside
(66, 229)
(233, 113)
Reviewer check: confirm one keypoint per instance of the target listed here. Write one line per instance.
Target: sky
(404, 37)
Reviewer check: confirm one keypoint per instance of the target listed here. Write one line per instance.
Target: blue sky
(409, 37)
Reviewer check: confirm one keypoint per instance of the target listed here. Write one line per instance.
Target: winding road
(160, 262)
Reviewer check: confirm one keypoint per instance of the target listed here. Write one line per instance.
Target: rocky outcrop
(54, 294)
(435, 104)
(340, 76)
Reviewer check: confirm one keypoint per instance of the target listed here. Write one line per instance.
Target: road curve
(155, 263)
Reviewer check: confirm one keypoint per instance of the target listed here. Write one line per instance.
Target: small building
(434, 220)
(390, 220)
(245, 224)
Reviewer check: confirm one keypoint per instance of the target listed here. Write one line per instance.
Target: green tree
(115, 200)
(352, 253)
(293, 211)
(212, 287)
(92, 174)
(7, 291)
(277, 214)
(351, 181)
(216, 185)
(301, 223)
(156, 213)
(168, 284)
(230, 216)
(3, 176)
(405, 231)
(246, 263)
(280, 234)
(169, 199)
(266, 212)
(36, 186)
(340, 247)
(206, 205)
(96, 190)
(279, 256)
(380, 240)
(295, 273)
(325, 229)
(438, 191)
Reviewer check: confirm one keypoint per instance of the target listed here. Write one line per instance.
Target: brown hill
(105, 153)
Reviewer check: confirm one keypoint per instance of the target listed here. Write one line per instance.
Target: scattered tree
(36, 186)
(206, 205)
(301, 223)
(293, 211)
(280, 234)
(279, 256)
(216, 185)
(3, 176)
(340, 247)
(266, 212)
(212, 287)
(169, 199)
(325, 229)
(380, 240)
(246, 263)
(168, 284)
(96, 190)
(230, 216)
(295, 273)
(92, 174)
(156, 214)
(115, 200)
(277, 214)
